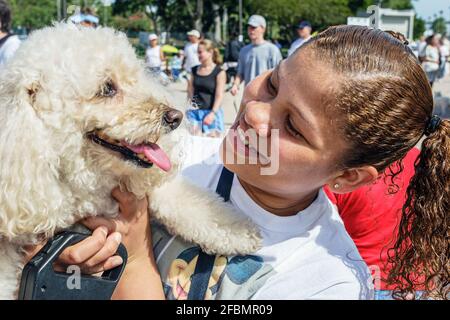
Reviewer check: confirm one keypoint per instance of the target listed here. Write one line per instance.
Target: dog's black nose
(172, 119)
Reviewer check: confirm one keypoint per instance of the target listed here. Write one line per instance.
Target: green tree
(165, 15)
(359, 5)
(134, 23)
(439, 25)
(33, 14)
(129, 7)
(419, 27)
(124, 10)
(287, 13)
(397, 4)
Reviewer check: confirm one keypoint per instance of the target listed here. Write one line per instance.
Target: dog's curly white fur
(52, 94)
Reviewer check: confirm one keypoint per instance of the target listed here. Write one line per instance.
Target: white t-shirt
(306, 256)
(445, 52)
(421, 47)
(431, 53)
(153, 57)
(297, 44)
(8, 49)
(191, 54)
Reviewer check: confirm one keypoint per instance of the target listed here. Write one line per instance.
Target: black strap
(200, 278)
(3, 40)
(225, 182)
(205, 262)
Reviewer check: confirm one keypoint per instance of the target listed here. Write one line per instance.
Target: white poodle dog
(79, 116)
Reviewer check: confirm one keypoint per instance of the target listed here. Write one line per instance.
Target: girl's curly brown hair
(386, 103)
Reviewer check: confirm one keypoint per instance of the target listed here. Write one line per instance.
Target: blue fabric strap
(205, 262)
(225, 182)
(200, 278)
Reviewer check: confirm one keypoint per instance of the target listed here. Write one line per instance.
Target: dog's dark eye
(108, 90)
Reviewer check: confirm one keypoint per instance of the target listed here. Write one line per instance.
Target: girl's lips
(241, 147)
(261, 154)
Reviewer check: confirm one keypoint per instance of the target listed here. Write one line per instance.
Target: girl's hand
(140, 279)
(234, 89)
(133, 224)
(96, 253)
(93, 255)
(209, 119)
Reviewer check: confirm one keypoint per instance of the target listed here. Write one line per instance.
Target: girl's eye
(291, 129)
(108, 90)
(270, 86)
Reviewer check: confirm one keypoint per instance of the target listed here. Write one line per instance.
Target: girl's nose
(257, 116)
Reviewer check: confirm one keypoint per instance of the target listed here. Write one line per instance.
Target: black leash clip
(41, 282)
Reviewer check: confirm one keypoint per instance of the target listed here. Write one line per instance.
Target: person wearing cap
(304, 30)
(9, 42)
(154, 55)
(258, 56)
(191, 51)
(89, 19)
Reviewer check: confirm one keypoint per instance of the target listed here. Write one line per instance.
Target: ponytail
(217, 57)
(420, 257)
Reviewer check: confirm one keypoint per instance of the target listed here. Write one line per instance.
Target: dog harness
(205, 262)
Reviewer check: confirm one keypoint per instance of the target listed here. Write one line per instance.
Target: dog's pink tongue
(153, 153)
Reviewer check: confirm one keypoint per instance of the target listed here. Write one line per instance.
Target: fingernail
(104, 230)
(117, 237)
(116, 261)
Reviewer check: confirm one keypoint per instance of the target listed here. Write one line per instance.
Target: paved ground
(231, 104)
(442, 97)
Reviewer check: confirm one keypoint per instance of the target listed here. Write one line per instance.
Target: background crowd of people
(433, 52)
(242, 63)
(9, 42)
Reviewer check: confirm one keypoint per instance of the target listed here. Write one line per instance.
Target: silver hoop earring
(336, 186)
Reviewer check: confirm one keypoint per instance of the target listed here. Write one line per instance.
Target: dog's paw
(240, 238)
(203, 218)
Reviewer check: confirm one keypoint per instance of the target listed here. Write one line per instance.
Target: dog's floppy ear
(29, 190)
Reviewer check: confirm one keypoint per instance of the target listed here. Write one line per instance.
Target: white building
(387, 19)
(398, 20)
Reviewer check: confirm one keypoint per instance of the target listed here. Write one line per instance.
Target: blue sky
(426, 8)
